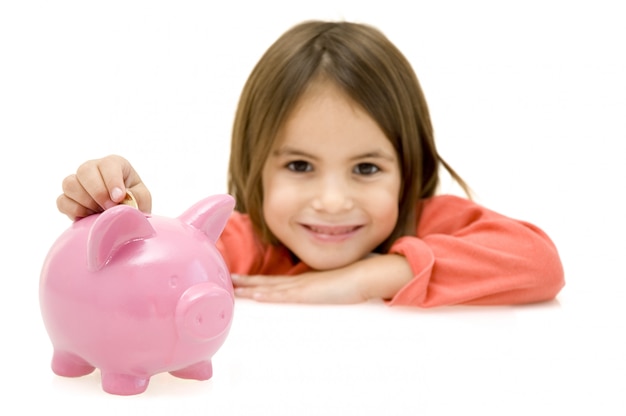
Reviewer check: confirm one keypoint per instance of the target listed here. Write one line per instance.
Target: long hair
(369, 69)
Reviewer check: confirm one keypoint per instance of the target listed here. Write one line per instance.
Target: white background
(528, 100)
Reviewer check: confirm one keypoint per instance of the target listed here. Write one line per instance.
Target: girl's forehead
(322, 103)
(328, 124)
(320, 89)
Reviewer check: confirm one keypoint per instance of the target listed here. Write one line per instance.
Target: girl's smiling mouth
(331, 233)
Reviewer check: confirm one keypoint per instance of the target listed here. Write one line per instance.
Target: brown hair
(373, 72)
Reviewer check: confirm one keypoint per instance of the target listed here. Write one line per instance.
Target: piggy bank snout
(204, 311)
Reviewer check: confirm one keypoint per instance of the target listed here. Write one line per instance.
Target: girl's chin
(330, 264)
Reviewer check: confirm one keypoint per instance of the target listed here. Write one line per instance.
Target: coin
(130, 200)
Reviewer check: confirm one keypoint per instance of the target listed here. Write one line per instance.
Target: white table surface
(561, 357)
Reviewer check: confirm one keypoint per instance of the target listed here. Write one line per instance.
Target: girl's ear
(210, 215)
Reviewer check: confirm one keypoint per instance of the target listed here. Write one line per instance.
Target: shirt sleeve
(239, 248)
(244, 253)
(466, 254)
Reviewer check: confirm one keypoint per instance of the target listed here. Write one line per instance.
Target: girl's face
(331, 183)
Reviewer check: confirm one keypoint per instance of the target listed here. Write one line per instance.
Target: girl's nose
(332, 196)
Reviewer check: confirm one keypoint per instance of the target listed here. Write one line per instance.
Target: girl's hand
(311, 287)
(374, 277)
(101, 184)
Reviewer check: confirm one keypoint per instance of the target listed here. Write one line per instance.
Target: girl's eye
(366, 169)
(299, 166)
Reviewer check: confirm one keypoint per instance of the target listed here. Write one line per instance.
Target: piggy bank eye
(173, 281)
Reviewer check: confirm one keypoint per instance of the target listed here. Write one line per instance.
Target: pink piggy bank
(135, 295)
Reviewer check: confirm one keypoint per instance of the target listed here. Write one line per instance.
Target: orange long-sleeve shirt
(462, 253)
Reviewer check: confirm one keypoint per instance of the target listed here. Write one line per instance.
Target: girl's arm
(467, 254)
(376, 277)
(462, 254)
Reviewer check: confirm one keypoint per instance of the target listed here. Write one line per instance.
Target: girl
(334, 169)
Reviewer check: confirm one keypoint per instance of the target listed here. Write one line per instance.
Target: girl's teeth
(332, 230)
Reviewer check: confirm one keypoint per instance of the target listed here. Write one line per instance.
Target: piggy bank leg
(199, 371)
(70, 365)
(123, 384)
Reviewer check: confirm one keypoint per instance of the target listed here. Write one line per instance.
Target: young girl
(334, 169)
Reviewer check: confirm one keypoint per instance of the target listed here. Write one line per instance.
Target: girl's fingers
(90, 179)
(267, 294)
(75, 192)
(252, 281)
(100, 184)
(116, 174)
(72, 209)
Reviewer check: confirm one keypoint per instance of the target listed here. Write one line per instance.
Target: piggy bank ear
(114, 228)
(210, 215)
(204, 311)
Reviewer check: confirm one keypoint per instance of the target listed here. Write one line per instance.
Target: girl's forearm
(382, 276)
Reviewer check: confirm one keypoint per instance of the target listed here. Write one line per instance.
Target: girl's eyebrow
(376, 154)
(290, 151)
